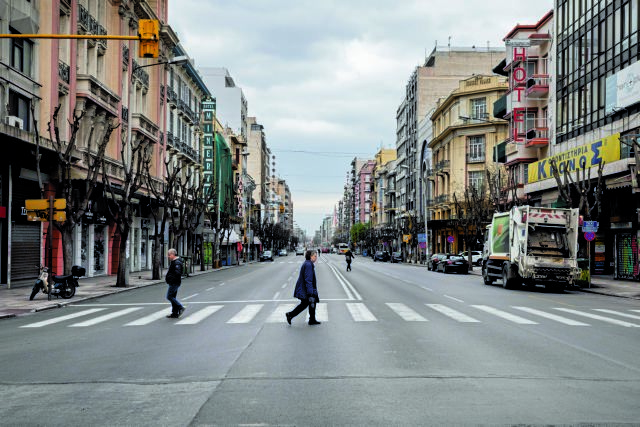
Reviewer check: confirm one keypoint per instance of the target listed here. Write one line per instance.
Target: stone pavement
(15, 301)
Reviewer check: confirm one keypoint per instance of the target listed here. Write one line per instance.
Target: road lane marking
(190, 296)
(322, 312)
(200, 315)
(551, 316)
(212, 288)
(597, 317)
(453, 298)
(284, 286)
(344, 286)
(150, 318)
(62, 318)
(505, 315)
(405, 312)
(105, 317)
(454, 314)
(426, 289)
(360, 313)
(247, 314)
(617, 313)
(276, 295)
(277, 316)
(347, 286)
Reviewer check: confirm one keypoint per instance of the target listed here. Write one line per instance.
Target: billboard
(623, 88)
(583, 157)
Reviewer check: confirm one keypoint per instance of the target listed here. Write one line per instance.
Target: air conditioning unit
(14, 121)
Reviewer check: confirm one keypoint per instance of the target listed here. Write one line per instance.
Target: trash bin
(585, 276)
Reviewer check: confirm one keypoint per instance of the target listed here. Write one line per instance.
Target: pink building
(363, 192)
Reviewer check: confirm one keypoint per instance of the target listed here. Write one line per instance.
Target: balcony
(145, 126)
(442, 199)
(430, 202)
(537, 134)
(172, 97)
(442, 167)
(125, 114)
(475, 158)
(63, 72)
(538, 86)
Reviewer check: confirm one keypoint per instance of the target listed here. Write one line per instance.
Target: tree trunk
(123, 262)
(67, 248)
(157, 258)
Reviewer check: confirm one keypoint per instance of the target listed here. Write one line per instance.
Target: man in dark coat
(306, 290)
(348, 256)
(174, 279)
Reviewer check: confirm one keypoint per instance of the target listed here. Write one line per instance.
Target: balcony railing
(63, 72)
(471, 158)
(441, 199)
(125, 114)
(125, 56)
(537, 133)
(443, 166)
(538, 85)
(140, 74)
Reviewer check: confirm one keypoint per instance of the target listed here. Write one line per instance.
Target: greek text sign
(582, 157)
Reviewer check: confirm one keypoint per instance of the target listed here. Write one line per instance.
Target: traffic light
(281, 209)
(149, 33)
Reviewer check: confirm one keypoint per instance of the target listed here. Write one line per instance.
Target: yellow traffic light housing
(149, 34)
(281, 209)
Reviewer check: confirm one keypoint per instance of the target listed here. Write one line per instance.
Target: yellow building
(464, 135)
(382, 191)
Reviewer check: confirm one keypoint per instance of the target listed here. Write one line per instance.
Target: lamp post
(247, 235)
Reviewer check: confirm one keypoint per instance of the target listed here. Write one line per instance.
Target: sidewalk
(15, 301)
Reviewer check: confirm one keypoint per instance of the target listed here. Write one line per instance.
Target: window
(479, 108)
(476, 148)
(21, 54)
(475, 179)
(19, 107)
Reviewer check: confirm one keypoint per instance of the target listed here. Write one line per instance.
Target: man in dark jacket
(174, 279)
(306, 290)
(348, 256)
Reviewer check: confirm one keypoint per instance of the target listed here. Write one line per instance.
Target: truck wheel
(488, 280)
(506, 282)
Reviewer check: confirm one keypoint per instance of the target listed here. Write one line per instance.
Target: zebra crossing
(357, 312)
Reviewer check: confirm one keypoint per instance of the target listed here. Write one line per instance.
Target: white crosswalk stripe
(322, 312)
(617, 313)
(105, 317)
(405, 312)
(552, 316)
(505, 315)
(150, 318)
(62, 318)
(598, 317)
(454, 314)
(278, 314)
(360, 313)
(199, 315)
(247, 314)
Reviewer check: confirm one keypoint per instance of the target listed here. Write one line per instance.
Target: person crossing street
(306, 289)
(348, 256)
(174, 279)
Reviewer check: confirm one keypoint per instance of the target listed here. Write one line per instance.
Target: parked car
(397, 257)
(382, 256)
(266, 256)
(435, 259)
(283, 252)
(299, 251)
(451, 263)
(476, 257)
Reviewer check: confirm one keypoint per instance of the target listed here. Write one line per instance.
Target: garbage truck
(532, 245)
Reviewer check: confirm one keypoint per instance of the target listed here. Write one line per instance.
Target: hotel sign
(583, 157)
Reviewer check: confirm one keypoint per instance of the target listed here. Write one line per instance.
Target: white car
(299, 251)
(476, 257)
(266, 255)
(283, 252)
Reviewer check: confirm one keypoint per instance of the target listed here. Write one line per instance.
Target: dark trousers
(348, 265)
(300, 308)
(172, 293)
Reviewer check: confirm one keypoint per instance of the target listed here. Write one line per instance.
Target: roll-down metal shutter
(25, 251)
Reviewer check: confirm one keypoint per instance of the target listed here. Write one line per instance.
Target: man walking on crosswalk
(174, 279)
(306, 290)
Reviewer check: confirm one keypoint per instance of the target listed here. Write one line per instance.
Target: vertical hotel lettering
(518, 76)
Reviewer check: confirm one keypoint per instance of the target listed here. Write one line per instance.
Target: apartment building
(232, 104)
(463, 139)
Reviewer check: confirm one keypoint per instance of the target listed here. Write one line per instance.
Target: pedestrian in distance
(348, 256)
(174, 279)
(306, 289)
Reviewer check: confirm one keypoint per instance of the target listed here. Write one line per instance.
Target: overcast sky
(325, 77)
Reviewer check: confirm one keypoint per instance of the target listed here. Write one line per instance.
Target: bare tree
(473, 212)
(121, 206)
(77, 203)
(581, 185)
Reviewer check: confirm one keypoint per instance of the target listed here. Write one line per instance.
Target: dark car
(435, 259)
(382, 256)
(397, 257)
(453, 263)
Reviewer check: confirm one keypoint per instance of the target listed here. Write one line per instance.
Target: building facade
(232, 104)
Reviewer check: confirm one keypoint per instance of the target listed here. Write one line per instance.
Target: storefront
(91, 249)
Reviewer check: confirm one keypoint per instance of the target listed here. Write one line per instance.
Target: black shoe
(180, 312)
(172, 316)
(314, 322)
(288, 317)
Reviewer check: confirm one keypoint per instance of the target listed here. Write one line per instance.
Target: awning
(619, 182)
(233, 238)
(256, 241)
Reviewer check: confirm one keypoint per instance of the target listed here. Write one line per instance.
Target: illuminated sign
(583, 157)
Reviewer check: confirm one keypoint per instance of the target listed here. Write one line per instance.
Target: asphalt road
(399, 345)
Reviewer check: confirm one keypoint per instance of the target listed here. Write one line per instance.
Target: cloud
(329, 75)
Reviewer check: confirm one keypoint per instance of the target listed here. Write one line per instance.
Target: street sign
(590, 226)
(450, 239)
(406, 238)
(589, 236)
(43, 204)
(43, 216)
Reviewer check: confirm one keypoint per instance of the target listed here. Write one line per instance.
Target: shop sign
(623, 88)
(583, 157)
(422, 237)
